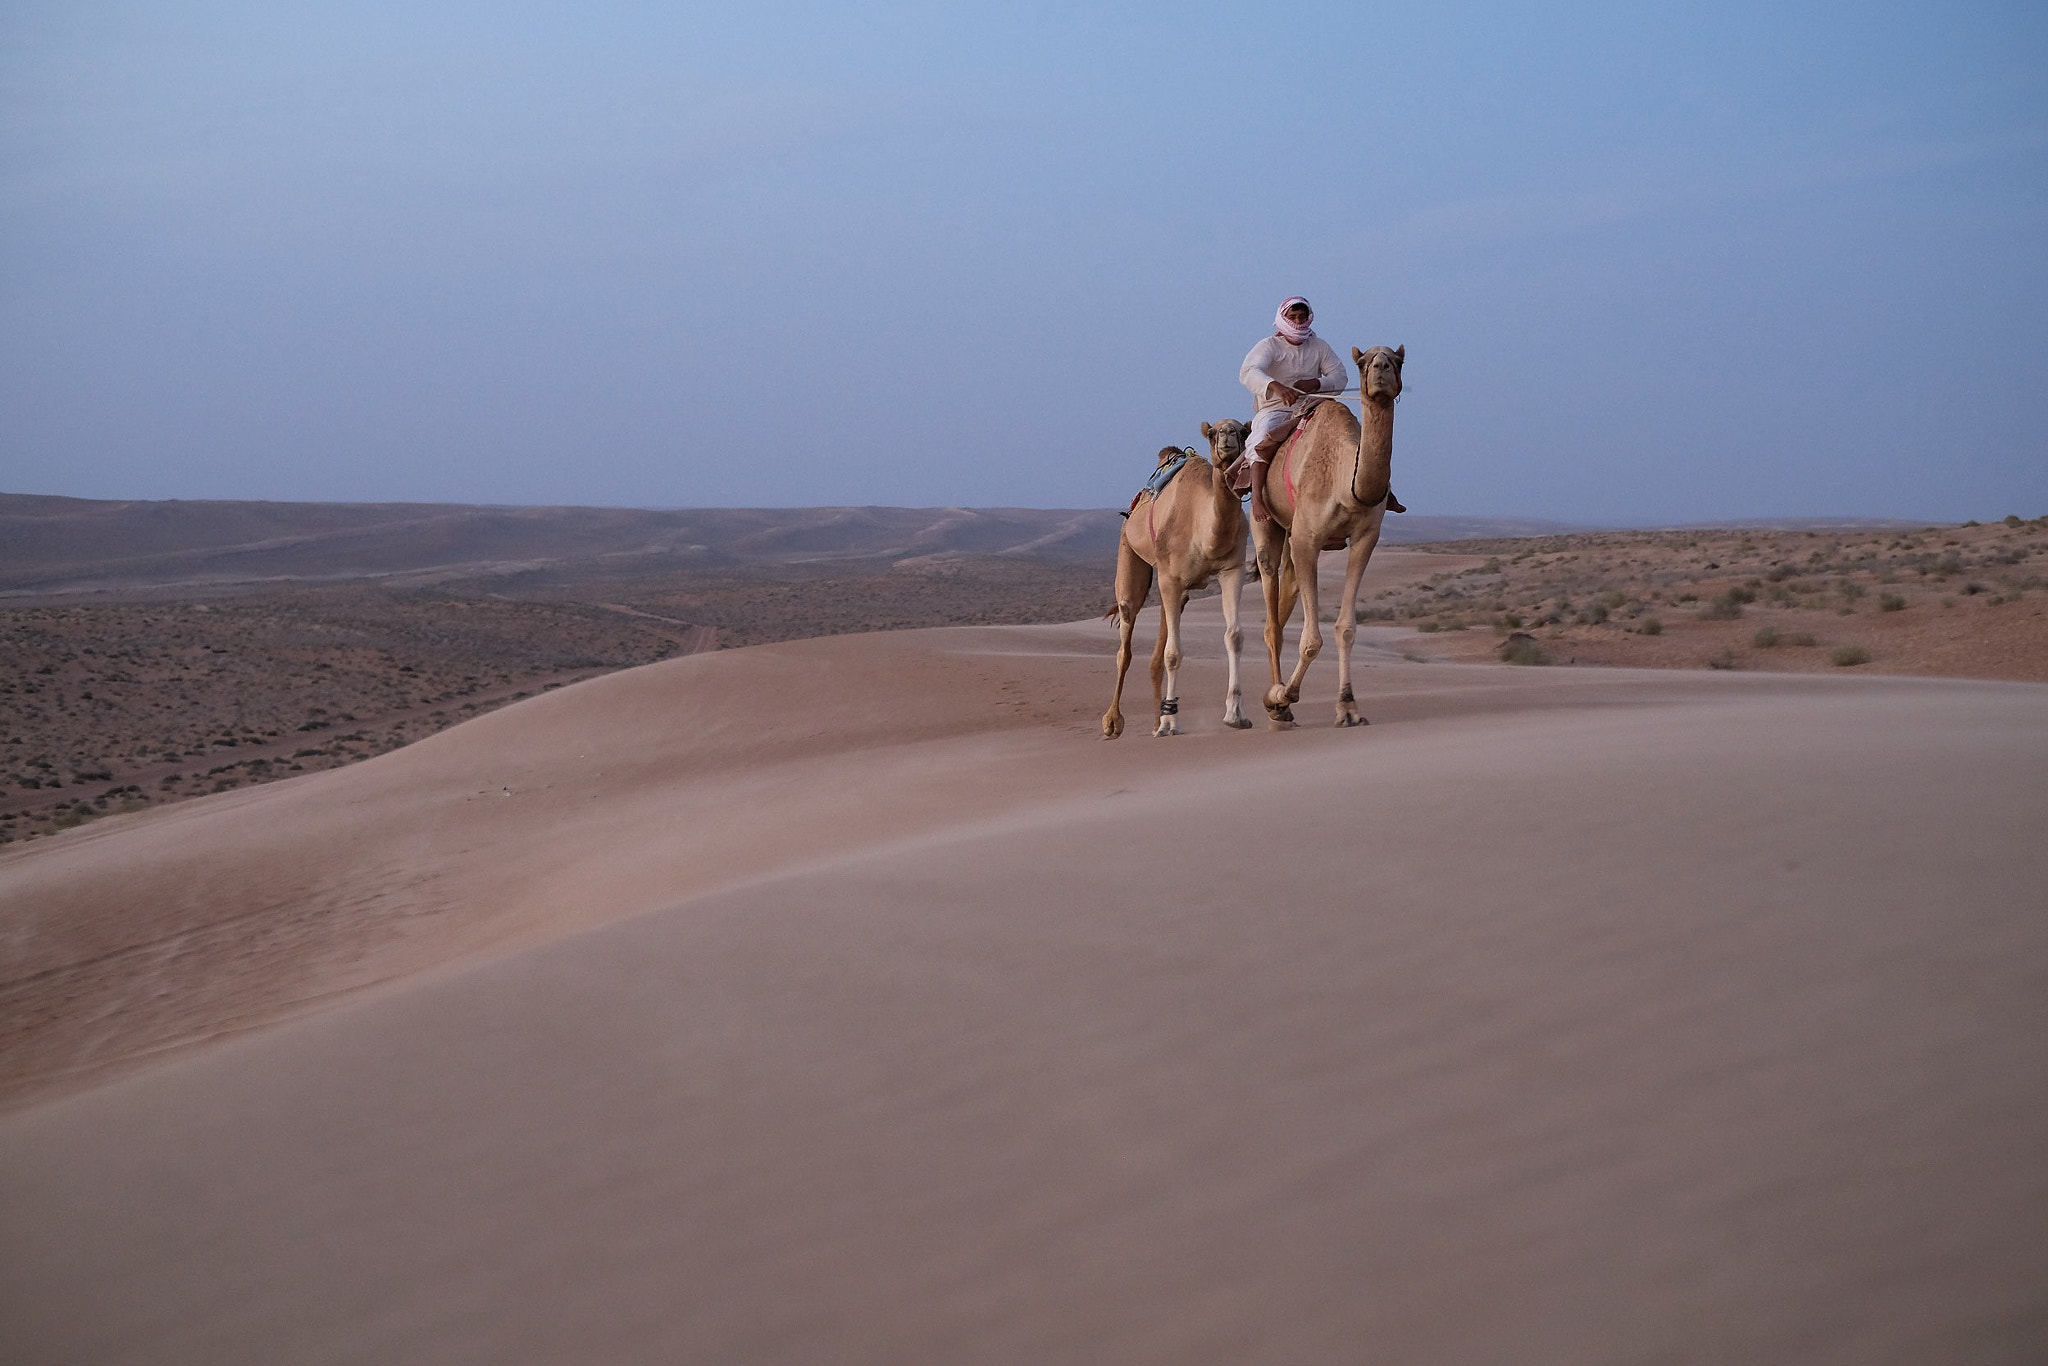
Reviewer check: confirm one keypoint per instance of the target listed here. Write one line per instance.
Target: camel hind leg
(1133, 584)
(1269, 543)
(1302, 559)
(1281, 696)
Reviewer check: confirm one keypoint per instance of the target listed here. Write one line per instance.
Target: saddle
(1239, 471)
(1171, 458)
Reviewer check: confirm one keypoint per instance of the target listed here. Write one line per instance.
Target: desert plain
(1619, 994)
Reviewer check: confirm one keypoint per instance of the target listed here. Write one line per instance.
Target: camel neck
(1375, 452)
(1223, 504)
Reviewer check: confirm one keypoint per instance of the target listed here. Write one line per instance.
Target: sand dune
(847, 1000)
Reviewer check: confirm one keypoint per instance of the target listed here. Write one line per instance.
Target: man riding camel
(1285, 373)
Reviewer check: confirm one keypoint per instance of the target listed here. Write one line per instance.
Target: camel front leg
(1269, 542)
(1347, 622)
(1232, 582)
(1166, 657)
(1303, 559)
(1133, 583)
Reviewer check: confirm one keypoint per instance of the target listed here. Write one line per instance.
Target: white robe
(1278, 359)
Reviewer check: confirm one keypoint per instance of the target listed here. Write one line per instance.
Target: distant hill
(1416, 529)
(57, 544)
(77, 544)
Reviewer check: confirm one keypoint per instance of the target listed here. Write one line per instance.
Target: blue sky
(1738, 261)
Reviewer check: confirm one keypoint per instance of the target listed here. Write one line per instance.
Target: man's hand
(1286, 393)
(1310, 385)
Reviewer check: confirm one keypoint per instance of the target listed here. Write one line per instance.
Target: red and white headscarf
(1289, 330)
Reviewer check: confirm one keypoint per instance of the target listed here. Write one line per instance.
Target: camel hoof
(1165, 728)
(1112, 726)
(1347, 719)
(1237, 722)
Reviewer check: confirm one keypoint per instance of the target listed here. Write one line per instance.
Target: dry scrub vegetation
(1968, 601)
(116, 705)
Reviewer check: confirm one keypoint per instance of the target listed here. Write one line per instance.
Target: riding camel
(1328, 487)
(1189, 532)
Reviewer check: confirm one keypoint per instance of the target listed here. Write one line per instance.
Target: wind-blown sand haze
(848, 1000)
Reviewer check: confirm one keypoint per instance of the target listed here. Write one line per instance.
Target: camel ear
(1400, 355)
(1207, 431)
(1358, 358)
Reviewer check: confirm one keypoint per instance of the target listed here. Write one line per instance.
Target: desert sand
(848, 1000)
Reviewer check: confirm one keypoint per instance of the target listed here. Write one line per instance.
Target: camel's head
(1226, 440)
(1379, 372)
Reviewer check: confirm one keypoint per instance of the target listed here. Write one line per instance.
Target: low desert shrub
(1890, 602)
(1766, 638)
(1429, 628)
(1724, 660)
(1847, 656)
(1723, 608)
(1801, 638)
(1651, 627)
(1522, 652)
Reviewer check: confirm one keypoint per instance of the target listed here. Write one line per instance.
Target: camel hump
(1324, 409)
(1171, 459)
(1299, 424)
